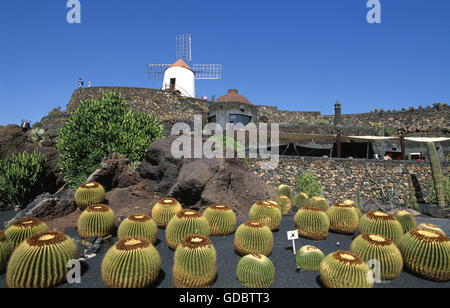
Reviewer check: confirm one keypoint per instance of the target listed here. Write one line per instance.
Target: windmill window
(240, 118)
(172, 82)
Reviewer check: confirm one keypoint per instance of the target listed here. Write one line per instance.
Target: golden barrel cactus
(164, 210)
(184, 223)
(96, 220)
(380, 248)
(312, 223)
(253, 237)
(221, 219)
(343, 218)
(88, 194)
(378, 222)
(427, 253)
(22, 229)
(139, 225)
(266, 212)
(406, 219)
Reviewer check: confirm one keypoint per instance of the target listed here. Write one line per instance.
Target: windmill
(181, 75)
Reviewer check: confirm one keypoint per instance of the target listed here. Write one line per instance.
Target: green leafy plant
(388, 193)
(308, 184)
(37, 134)
(302, 122)
(20, 176)
(98, 128)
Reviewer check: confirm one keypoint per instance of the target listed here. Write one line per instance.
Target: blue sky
(297, 55)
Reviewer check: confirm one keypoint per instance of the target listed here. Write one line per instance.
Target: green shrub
(308, 184)
(98, 128)
(20, 176)
(432, 197)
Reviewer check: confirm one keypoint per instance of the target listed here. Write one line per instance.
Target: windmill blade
(207, 71)
(156, 71)
(184, 47)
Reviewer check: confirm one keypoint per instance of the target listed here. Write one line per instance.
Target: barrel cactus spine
(300, 201)
(221, 219)
(267, 212)
(22, 229)
(164, 210)
(253, 237)
(406, 219)
(380, 248)
(318, 202)
(194, 262)
(343, 218)
(431, 227)
(309, 257)
(255, 271)
(427, 254)
(132, 262)
(88, 194)
(139, 225)
(343, 269)
(96, 220)
(312, 223)
(355, 205)
(41, 261)
(5, 251)
(378, 222)
(184, 223)
(284, 190)
(284, 204)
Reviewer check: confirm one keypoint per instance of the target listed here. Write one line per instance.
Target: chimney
(337, 114)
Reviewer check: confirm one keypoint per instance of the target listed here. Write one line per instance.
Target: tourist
(80, 83)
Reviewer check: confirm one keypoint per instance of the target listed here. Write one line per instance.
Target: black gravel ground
(282, 256)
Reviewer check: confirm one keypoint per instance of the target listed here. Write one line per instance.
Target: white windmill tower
(181, 75)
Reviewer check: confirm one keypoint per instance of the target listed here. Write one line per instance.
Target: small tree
(98, 128)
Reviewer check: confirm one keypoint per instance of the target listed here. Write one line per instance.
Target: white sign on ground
(292, 235)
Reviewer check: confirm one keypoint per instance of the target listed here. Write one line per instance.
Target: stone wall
(341, 178)
(271, 114)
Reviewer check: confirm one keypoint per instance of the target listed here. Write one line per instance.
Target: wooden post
(402, 145)
(338, 141)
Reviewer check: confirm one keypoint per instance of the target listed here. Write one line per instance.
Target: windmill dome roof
(180, 63)
(233, 96)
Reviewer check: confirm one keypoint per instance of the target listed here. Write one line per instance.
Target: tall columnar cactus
(355, 205)
(431, 227)
(253, 237)
(255, 271)
(406, 219)
(284, 204)
(194, 262)
(427, 253)
(266, 212)
(312, 223)
(318, 202)
(438, 178)
(96, 220)
(132, 262)
(139, 226)
(309, 257)
(380, 248)
(22, 229)
(343, 218)
(41, 261)
(300, 200)
(411, 200)
(184, 223)
(343, 269)
(5, 251)
(164, 210)
(88, 194)
(221, 219)
(378, 222)
(284, 190)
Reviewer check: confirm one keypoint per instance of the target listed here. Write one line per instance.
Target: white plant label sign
(292, 236)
